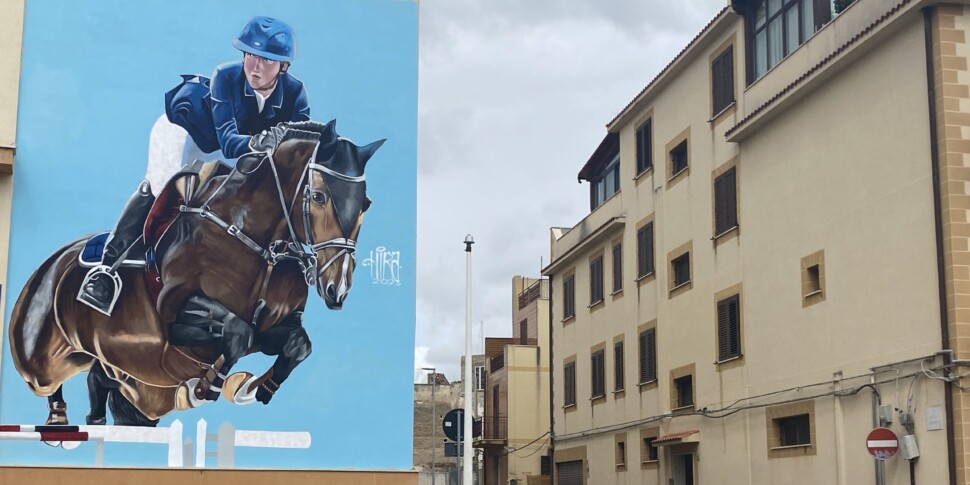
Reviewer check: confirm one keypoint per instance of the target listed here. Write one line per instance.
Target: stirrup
(89, 300)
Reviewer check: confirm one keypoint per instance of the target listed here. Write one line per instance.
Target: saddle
(179, 190)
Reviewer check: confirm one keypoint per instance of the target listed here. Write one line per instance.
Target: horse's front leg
(204, 321)
(291, 344)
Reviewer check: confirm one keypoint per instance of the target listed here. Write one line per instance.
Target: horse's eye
(319, 197)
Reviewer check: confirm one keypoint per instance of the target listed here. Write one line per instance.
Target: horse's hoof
(96, 421)
(54, 444)
(57, 414)
(241, 387)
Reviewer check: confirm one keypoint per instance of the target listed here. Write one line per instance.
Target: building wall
(838, 170)
(11, 37)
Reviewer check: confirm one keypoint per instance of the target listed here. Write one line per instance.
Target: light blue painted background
(93, 78)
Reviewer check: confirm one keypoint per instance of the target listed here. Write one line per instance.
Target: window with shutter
(725, 202)
(618, 366)
(569, 384)
(598, 374)
(596, 281)
(722, 81)
(681, 269)
(568, 297)
(617, 268)
(648, 356)
(524, 332)
(644, 147)
(678, 158)
(728, 328)
(645, 250)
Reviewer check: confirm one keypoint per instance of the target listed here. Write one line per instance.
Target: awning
(677, 438)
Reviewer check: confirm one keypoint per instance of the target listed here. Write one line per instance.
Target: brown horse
(234, 273)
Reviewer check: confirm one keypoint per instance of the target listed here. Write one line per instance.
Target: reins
(292, 249)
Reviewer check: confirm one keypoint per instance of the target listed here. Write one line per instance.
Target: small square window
(794, 430)
(681, 269)
(678, 158)
(684, 386)
(814, 281)
(620, 452)
(649, 451)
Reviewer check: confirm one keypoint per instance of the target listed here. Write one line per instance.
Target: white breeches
(169, 149)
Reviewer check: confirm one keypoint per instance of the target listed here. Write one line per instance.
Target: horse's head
(328, 205)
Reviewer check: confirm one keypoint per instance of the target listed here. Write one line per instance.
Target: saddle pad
(90, 256)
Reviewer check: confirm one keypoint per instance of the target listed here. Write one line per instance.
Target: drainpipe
(552, 403)
(876, 401)
(938, 216)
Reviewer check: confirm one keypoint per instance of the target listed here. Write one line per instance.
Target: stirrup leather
(103, 307)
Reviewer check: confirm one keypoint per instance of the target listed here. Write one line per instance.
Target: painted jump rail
(227, 440)
(70, 437)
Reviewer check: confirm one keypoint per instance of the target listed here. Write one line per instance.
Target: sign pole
(466, 476)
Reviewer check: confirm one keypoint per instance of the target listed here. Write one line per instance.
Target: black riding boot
(102, 285)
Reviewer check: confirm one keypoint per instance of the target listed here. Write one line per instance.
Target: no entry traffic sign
(882, 443)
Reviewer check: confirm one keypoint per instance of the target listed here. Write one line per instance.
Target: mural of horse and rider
(240, 241)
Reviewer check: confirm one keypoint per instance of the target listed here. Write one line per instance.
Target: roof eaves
(675, 61)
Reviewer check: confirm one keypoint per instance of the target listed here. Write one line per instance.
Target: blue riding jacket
(236, 114)
(222, 112)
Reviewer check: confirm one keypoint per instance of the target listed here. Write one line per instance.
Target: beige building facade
(515, 431)
(776, 259)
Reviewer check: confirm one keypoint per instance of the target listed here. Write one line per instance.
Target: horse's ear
(329, 131)
(365, 152)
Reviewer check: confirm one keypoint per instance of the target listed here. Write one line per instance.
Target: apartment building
(515, 431)
(776, 257)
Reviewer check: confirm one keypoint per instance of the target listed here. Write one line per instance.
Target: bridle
(292, 249)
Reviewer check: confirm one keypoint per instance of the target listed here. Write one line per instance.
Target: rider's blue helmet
(267, 37)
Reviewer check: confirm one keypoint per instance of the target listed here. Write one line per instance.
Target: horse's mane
(297, 134)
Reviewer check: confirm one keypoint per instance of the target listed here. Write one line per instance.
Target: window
(569, 297)
(791, 429)
(598, 375)
(725, 202)
(813, 279)
(777, 27)
(644, 147)
(684, 387)
(645, 250)
(678, 158)
(794, 430)
(569, 384)
(596, 281)
(524, 332)
(620, 450)
(617, 267)
(606, 182)
(649, 452)
(728, 328)
(618, 366)
(648, 355)
(480, 377)
(722, 81)
(681, 269)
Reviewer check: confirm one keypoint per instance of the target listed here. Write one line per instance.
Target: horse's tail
(34, 331)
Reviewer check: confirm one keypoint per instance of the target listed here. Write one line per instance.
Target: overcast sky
(513, 98)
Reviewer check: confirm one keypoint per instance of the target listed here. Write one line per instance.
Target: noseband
(293, 248)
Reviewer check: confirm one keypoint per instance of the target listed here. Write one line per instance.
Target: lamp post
(466, 477)
(434, 419)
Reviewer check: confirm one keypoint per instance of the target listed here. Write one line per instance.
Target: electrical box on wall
(908, 448)
(885, 414)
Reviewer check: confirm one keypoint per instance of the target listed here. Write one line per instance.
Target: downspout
(938, 217)
(552, 404)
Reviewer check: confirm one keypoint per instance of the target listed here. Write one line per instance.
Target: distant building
(515, 431)
(776, 257)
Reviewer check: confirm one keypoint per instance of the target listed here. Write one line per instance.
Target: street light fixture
(466, 477)
(434, 419)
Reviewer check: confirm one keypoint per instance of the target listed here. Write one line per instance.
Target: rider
(244, 98)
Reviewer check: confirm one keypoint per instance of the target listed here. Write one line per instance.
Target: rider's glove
(267, 140)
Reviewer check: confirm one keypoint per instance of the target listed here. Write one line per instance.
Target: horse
(228, 274)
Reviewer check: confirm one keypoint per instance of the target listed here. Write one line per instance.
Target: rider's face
(261, 73)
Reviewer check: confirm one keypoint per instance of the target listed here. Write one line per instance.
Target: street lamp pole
(466, 477)
(434, 419)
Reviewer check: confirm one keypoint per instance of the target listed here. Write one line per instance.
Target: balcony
(497, 362)
(536, 291)
(494, 431)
